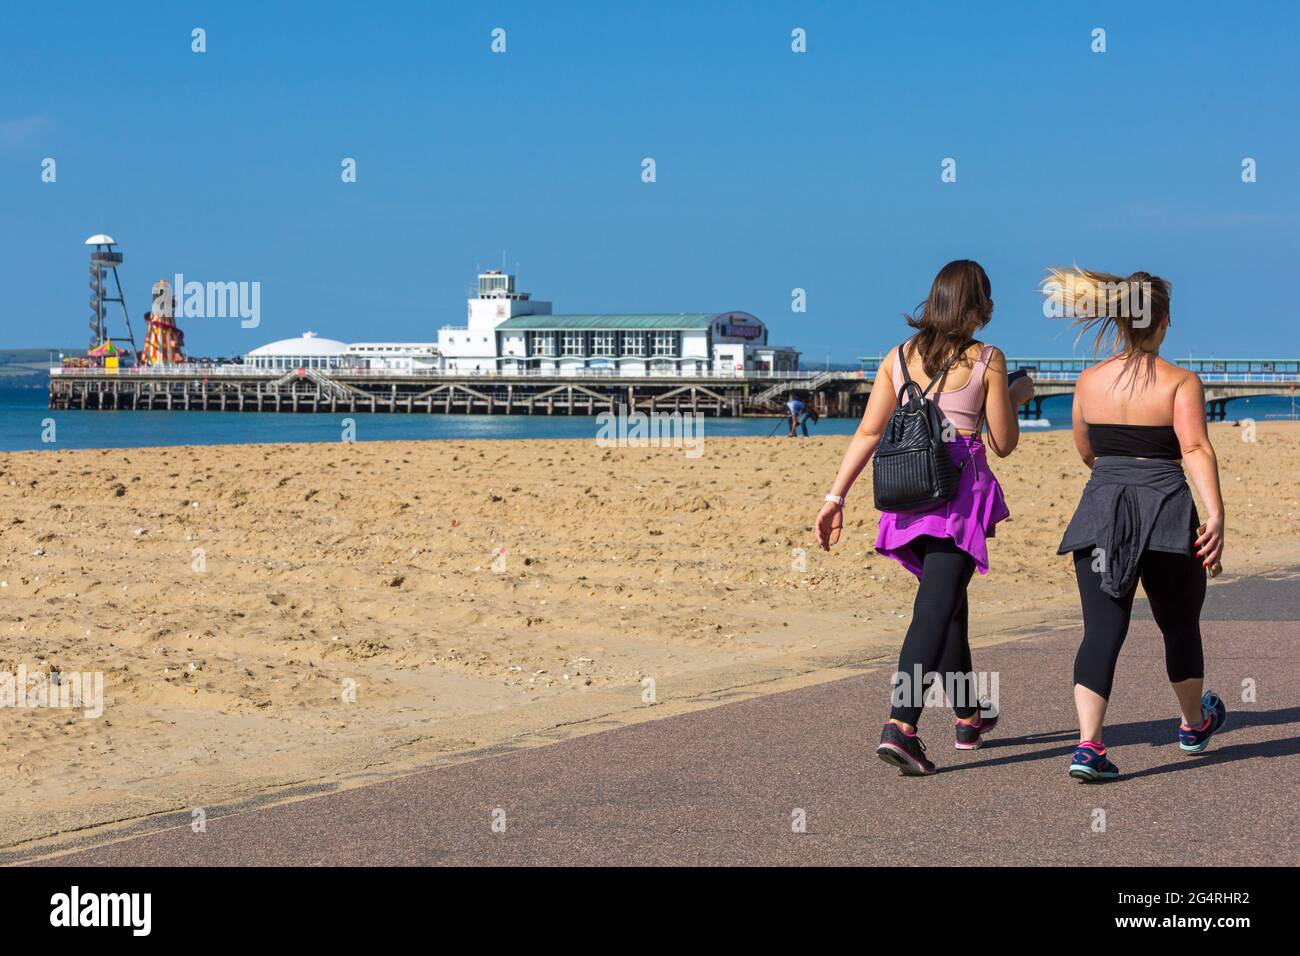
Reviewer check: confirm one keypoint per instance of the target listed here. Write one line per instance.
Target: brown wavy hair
(960, 296)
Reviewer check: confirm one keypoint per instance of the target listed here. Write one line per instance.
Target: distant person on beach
(798, 416)
(1135, 416)
(943, 544)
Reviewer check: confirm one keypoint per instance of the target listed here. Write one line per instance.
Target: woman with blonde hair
(1136, 416)
(943, 541)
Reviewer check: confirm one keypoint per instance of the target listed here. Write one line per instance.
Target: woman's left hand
(1021, 391)
(1209, 544)
(830, 522)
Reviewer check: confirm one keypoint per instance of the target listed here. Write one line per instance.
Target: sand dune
(470, 592)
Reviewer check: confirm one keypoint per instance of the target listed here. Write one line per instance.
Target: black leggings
(1175, 588)
(937, 640)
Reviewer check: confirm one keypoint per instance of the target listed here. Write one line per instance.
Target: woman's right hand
(1209, 544)
(830, 522)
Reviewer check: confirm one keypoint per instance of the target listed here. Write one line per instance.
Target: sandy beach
(271, 615)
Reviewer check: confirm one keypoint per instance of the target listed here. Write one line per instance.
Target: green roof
(549, 323)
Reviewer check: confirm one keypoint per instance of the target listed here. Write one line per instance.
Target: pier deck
(231, 388)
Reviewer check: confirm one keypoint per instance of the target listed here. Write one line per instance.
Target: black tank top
(1135, 441)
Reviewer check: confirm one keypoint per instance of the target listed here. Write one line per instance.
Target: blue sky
(775, 170)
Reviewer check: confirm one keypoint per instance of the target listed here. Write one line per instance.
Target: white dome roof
(99, 239)
(308, 344)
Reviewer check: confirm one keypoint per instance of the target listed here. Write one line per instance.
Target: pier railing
(163, 371)
(270, 374)
(1062, 372)
(1220, 371)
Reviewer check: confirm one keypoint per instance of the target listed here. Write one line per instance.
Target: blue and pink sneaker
(1089, 763)
(1193, 740)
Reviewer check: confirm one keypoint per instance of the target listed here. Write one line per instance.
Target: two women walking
(1135, 416)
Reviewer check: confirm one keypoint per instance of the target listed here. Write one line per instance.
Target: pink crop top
(964, 406)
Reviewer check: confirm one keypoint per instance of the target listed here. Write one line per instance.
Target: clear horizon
(775, 170)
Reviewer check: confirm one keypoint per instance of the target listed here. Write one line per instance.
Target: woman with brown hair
(1135, 417)
(944, 543)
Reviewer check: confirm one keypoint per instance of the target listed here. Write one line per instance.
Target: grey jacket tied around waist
(1131, 505)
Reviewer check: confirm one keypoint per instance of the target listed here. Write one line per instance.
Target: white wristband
(838, 499)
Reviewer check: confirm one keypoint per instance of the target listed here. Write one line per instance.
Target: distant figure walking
(1136, 416)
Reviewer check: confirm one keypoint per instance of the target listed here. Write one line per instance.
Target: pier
(243, 388)
(237, 388)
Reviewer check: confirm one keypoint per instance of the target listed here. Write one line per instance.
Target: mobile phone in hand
(1018, 373)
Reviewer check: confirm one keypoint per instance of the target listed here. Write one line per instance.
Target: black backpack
(912, 469)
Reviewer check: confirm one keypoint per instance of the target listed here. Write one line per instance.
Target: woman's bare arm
(880, 406)
(1004, 424)
(1080, 428)
(1201, 463)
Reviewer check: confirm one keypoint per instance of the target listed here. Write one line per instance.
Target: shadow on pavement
(1156, 733)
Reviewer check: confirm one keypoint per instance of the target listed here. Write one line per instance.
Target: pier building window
(602, 343)
(665, 343)
(541, 343)
(572, 344)
(634, 343)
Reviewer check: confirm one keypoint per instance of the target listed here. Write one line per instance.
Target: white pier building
(509, 332)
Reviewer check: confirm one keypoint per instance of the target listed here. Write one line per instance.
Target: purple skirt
(968, 519)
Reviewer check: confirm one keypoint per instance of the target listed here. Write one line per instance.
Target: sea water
(26, 423)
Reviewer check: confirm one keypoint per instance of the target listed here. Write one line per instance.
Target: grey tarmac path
(725, 785)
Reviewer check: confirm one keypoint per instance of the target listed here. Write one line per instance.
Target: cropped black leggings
(937, 644)
(1175, 588)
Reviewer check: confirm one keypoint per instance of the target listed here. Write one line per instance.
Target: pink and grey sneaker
(971, 736)
(904, 751)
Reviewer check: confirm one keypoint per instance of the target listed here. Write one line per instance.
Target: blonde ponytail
(1124, 311)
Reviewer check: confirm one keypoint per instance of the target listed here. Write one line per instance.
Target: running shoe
(1089, 763)
(904, 751)
(1193, 740)
(971, 736)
